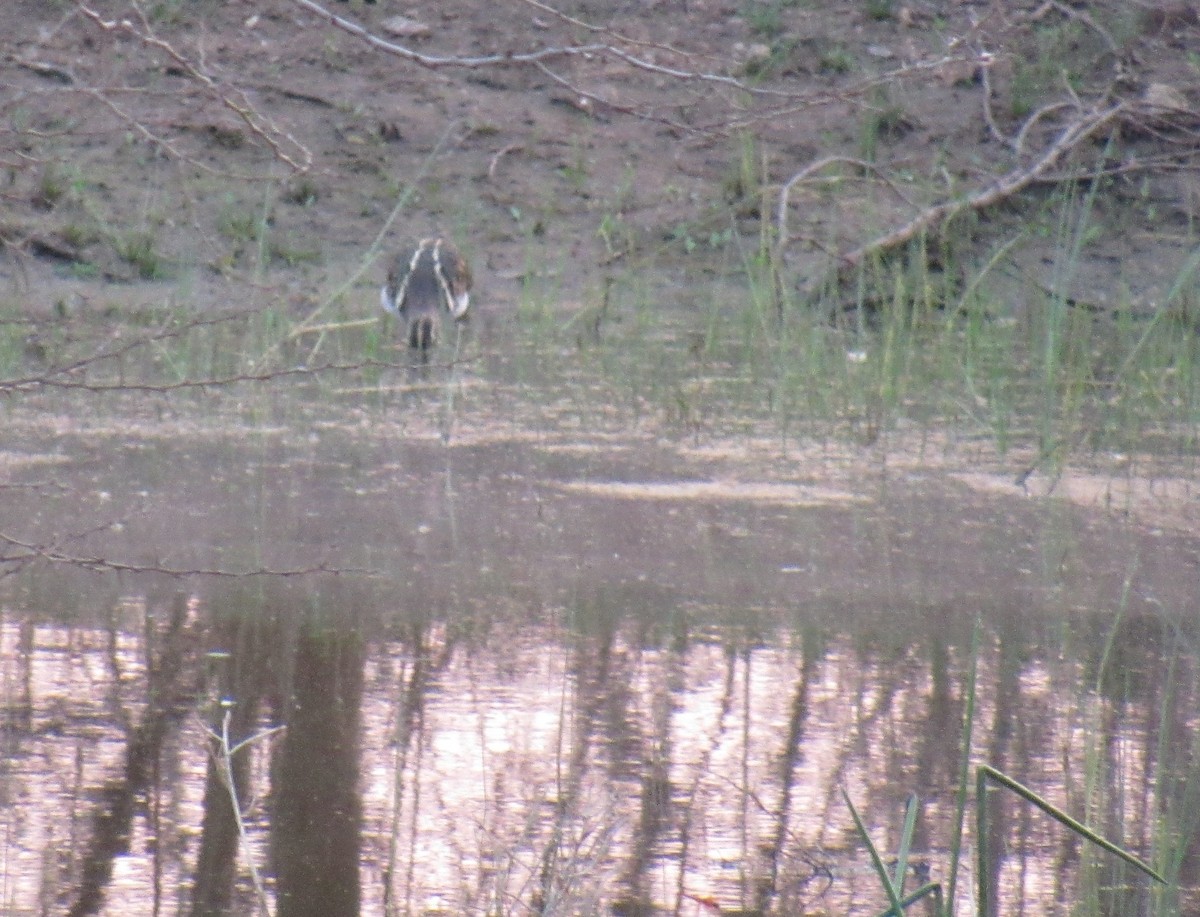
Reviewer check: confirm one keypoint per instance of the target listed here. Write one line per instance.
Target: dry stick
(32, 552)
(47, 378)
(500, 154)
(36, 382)
(260, 125)
(167, 146)
(788, 101)
(603, 30)
(1018, 142)
(1001, 189)
(332, 326)
(989, 119)
(434, 62)
(795, 99)
(781, 211)
(226, 753)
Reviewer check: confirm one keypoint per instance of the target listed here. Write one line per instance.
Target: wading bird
(424, 282)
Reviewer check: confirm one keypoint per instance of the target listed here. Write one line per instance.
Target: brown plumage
(425, 281)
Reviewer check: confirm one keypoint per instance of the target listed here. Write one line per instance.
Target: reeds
(987, 903)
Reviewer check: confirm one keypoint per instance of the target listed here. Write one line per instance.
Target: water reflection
(564, 702)
(316, 826)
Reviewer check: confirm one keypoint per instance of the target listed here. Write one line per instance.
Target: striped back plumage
(423, 282)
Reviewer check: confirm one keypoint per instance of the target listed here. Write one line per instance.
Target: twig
(788, 100)
(47, 70)
(225, 758)
(1004, 187)
(1018, 143)
(34, 382)
(494, 162)
(781, 210)
(258, 124)
(603, 30)
(45, 378)
(103, 565)
(541, 55)
(164, 144)
(985, 82)
(434, 62)
(590, 97)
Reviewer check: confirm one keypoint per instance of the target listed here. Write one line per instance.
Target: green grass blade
(930, 888)
(964, 770)
(983, 881)
(910, 825)
(1079, 828)
(881, 870)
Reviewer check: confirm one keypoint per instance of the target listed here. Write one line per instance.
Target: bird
(425, 281)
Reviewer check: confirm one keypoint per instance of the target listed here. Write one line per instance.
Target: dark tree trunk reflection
(317, 823)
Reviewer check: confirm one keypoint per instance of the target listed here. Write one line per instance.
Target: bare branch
(1004, 187)
(167, 146)
(434, 62)
(225, 752)
(1068, 139)
(603, 30)
(1018, 143)
(608, 103)
(54, 554)
(299, 160)
(786, 101)
(35, 382)
(985, 82)
(781, 211)
(542, 55)
(494, 162)
(46, 378)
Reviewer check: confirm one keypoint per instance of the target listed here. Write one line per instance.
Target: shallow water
(537, 657)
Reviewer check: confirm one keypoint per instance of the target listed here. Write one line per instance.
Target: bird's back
(422, 282)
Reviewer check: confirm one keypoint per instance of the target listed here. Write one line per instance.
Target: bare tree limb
(1002, 188)
(789, 100)
(434, 62)
(781, 210)
(47, 378)
(1018, 143)
(166, 145)
(35, 382)
(225, 750)
(299, 158)
(54, 554)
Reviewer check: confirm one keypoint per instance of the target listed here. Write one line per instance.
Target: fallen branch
(494, 163)
(784, 101)
(35, 382)
(47, 378)
(541, 55)
(999, 190)
(52, 553)
(225, 750)
(297, 156)
(781, 211)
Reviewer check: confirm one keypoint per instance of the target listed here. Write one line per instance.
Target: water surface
(538, 663)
